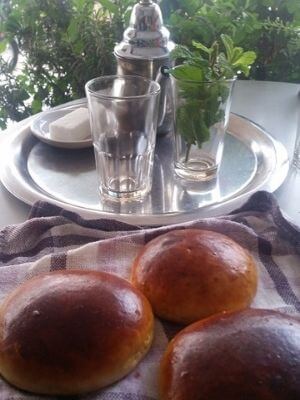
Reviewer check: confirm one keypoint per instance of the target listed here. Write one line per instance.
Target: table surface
(273, 105)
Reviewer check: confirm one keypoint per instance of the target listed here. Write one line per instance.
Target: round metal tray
(252, 160)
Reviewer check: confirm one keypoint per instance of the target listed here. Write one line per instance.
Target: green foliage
(64, 43)
(13, 97)
(209, 63)
(203, 87)
(269, 27)
(201, 107)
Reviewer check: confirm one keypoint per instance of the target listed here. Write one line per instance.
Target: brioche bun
(191, 274)
(71, 332)
(250, 354)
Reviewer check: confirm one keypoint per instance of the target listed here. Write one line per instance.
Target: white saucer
(40, 128)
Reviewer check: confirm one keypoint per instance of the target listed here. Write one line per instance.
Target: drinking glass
(201, 116)
(123, 117)
(288, 194)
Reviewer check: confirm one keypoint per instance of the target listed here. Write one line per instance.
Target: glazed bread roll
(71, 332)
(250, 354)
(191, 274)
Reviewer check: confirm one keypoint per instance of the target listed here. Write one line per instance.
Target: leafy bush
(269, 27)
(66, 42)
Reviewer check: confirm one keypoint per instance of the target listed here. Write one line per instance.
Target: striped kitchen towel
(54, 238)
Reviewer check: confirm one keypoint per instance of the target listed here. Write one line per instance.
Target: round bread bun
(191, 274)
(72, 332)
(249, 354)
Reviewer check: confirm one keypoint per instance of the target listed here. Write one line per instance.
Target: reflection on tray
(252, 160)
(70, 176)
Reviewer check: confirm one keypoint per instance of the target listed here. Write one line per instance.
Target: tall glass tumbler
(123, 117)
(201, 117)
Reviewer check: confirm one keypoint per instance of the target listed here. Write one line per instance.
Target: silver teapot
(144, 50)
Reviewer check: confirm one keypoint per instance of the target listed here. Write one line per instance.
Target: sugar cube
(72, 126)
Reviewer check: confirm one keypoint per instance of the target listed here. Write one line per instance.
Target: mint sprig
(210, 63)
(201, 79)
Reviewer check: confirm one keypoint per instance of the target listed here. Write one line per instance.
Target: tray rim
(29, 194)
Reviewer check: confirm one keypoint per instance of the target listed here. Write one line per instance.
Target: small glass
(123, 117)
(201, 117)
(288, 194)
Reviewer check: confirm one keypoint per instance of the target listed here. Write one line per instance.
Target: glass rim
(229, 80)
(154, 92)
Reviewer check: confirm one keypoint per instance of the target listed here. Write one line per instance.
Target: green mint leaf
(236, 54)
(191, 123)
(184, 124)
(229, 46)
(200, 46)
(245, 60)
(187, 72)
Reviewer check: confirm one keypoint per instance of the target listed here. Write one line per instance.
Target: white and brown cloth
(53, 239)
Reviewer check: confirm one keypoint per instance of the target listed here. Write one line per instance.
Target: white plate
(40, 128)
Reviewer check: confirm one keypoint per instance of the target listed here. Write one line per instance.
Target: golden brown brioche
(71, 332)
(244, 355)
(191, 274)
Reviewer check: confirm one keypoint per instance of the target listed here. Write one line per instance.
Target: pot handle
(163, 78)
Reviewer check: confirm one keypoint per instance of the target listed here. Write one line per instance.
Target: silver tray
(253, 160)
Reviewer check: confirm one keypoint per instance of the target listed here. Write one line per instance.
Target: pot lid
(146, 37)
